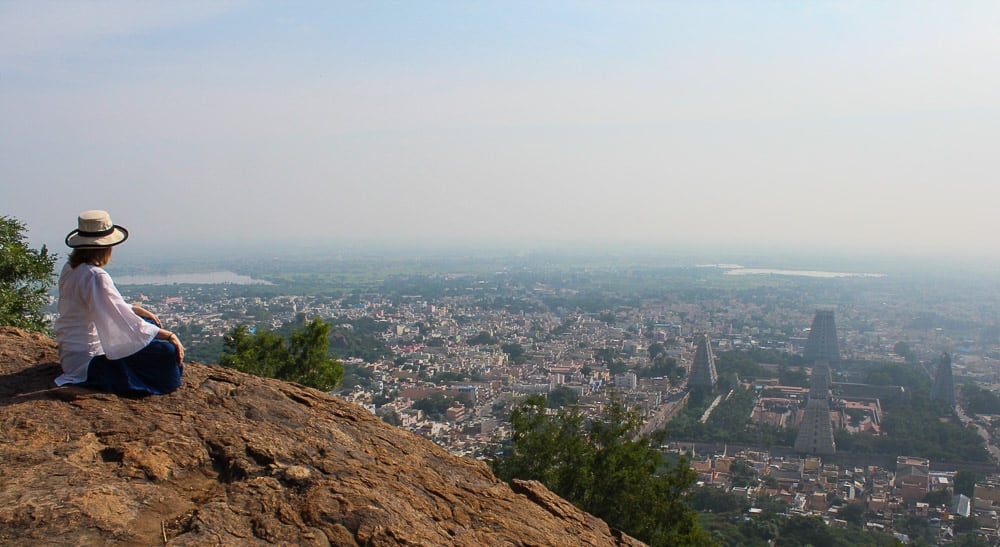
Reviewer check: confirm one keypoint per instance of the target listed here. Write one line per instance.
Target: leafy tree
(978, 400)
(772, 528)
(727, 381)
(730, 421)
(359, 337)
(391, 418)
(805, 531)
(304, 358)
(965, 483)
(919, 426)
(971, 540)
(793, 377)
(604, 467)
(515, 352)
(661, 365)
(449, 377)
(918, 528)
(741, 363)
(260, 313)
(205, 350)
(605, 356)
(655, 351)
(550, 450)
(742, 474)
(561, 396)
(716, 500)
(938, 497)
(434, 405)
(618, 367)
(909, 375)
(763, 530)
(483, 339)
(356, 375)
(25, 278)
(609, 357)
(965, 524)
(853, 513)
(771, 505)
(903, 350)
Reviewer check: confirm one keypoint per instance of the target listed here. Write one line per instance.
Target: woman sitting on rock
(105, 343)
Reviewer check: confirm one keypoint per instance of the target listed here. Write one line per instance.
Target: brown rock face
(232, 459)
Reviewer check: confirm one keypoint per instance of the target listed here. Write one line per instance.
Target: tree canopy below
(604, 467)
(304, 357)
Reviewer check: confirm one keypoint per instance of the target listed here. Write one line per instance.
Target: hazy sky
(854, 125)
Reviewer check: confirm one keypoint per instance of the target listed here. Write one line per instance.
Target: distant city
(818, 369)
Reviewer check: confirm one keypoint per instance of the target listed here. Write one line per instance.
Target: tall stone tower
(816, 430)
(822, 342)
(820, 380)
(703, 373)
(944, 385)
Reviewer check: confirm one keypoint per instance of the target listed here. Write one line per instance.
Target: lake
(800, 273)
(204, 278)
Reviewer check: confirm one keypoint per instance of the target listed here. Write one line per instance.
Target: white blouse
(94, 320)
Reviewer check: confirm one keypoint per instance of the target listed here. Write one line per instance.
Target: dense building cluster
(810, 486)
(457, 362)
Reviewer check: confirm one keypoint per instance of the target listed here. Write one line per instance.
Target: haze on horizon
(830, 126)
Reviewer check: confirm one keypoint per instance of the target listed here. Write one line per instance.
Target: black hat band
(102, 233)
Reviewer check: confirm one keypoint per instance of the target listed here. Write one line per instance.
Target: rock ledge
(232, 459)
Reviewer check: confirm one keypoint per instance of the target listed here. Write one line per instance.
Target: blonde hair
(96, 256)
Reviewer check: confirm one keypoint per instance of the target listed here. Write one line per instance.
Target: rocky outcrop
(232, 459)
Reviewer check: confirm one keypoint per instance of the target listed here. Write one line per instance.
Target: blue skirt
(151, 370)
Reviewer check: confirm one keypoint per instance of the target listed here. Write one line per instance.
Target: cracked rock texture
(232, 459)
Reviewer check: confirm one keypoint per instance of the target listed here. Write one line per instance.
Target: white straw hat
(96, 230)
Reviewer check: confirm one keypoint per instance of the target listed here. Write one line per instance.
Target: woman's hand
(168, 336)
(180, 348)
(146, 314)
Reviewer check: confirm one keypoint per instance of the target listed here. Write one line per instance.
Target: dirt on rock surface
(233, 459)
